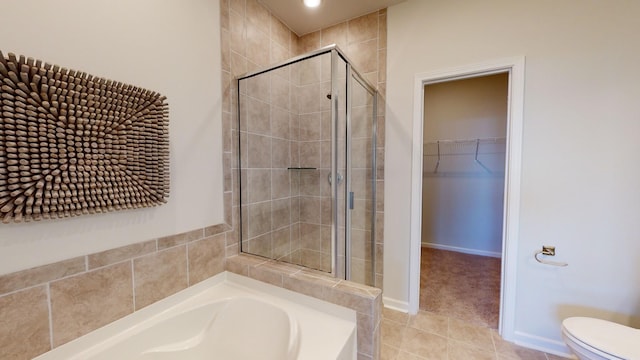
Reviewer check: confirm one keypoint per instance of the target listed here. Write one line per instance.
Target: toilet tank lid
(614, 339)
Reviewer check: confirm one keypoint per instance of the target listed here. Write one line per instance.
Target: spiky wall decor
(73, 144)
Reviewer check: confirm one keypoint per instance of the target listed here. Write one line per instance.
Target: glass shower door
(338, 176)
(361, 183)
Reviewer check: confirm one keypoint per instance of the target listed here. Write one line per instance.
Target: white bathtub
(227, 317)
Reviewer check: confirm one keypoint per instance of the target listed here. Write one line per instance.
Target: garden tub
(227, 317)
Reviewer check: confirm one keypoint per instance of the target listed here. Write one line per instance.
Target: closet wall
(465, 125)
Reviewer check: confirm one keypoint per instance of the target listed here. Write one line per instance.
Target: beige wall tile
(336, 34)
(266, 275)
(259, 151)
(364, 56)
(309, 210)
(238, 64)
(310, 127)
(258, 119)
(215, 229)
(206, 258)
(261, 245)
(159, 275)
(382, 31)
(120, 254)
(310, 154)
(259, 216)
(238, 6)
(281, 184)
(309, 42)
(382, 66)
(280, 33)
(238, 33)
(258, 44)
(88, 301)
(302, 284)
(280, 150)
(347, 294)
(281, 213)
(225, 50)
(179, 239)
(281, 242)
(42, 274)
(280, 121)
(258, 185)
(363, 28)
(224, 14)
(366, 329)
(310, 182)
(24, 324)
(258, 16)
(309, 98)
(280, 91)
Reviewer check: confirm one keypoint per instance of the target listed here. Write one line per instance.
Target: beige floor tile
(427, 345)
(392, 333)
(388, 352)
(461, 351)
(430, 322)
(403, 355)
(472, 335)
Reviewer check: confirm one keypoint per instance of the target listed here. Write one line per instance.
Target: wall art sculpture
(74, 144)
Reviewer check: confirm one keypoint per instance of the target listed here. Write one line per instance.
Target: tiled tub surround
(365, 300)
(44, 307)
(216, 318)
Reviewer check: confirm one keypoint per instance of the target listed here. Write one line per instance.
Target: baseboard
(463, 250)
(542, 344)
(394, 304)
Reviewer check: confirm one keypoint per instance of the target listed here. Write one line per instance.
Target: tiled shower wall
(250, 26)
(364, 41)
(43, 307)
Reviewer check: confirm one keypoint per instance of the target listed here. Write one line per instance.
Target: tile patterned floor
(429, 336)
(459, 302)
(462, 286)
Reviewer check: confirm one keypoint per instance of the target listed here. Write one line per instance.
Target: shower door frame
(351, 74)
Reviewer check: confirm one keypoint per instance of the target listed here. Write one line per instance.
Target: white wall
(462, 200)
(580, 187)
(172, 47)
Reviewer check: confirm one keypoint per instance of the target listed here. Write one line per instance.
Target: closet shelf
(475, 147)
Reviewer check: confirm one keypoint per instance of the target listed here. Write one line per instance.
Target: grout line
(133, 285)
(186, 254)
(48, 290)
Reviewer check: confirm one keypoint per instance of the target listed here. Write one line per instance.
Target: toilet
(595, 339)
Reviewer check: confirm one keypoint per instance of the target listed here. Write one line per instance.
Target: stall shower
(306, 132)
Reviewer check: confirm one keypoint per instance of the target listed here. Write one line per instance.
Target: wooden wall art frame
(74, 144)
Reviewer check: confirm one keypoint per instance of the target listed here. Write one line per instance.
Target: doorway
(515, 69)
(464, 134)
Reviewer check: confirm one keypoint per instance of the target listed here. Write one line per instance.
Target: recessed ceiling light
(312, 3)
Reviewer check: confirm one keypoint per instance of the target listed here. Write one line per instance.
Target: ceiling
(303, 20)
